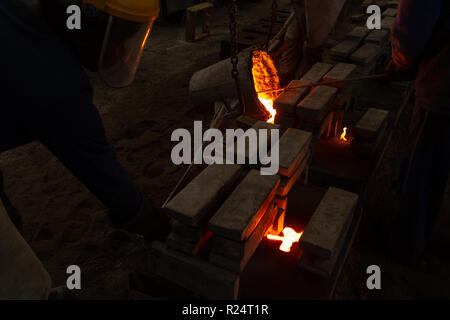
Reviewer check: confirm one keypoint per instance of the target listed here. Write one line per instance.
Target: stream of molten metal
(344, 134)
(288, 239)
(265, 77)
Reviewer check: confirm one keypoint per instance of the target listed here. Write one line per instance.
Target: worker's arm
(412, 30)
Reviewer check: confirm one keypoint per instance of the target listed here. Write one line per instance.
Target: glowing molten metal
(343, 135)
(265, 77)
(287, 240)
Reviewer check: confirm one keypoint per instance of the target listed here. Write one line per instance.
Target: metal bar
(322, 83)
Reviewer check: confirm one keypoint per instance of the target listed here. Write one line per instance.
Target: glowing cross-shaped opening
(287, 240)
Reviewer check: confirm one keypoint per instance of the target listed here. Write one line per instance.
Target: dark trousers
(423, 179)
(74, 132)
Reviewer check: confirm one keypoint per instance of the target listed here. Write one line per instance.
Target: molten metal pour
(265, 77)
(287, 240)
(344, 134)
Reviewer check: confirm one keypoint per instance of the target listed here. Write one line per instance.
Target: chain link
(234, 39)
(234, 48)
(272, 23)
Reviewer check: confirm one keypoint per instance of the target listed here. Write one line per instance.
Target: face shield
(121, 51)
(128, 26)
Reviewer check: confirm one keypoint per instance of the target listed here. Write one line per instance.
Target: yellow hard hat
(128, 29)
(132, 10)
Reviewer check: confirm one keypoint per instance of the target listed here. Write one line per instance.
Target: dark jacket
(40, 74)
(421, 39)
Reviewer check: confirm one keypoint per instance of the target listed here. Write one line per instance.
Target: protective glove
(150, 222)
(395, 73)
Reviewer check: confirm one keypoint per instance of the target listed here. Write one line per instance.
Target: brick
(240, 213)
(264, 125)
(317, 104)
(330, 43)
(318, 129)
(341, 102)
(190, 233)
(246, 122)
(368, 127)
(294, 145)
(288, 100)
(365, 148)
(285, 122)
(344, 49)
(329, 221)
(287, 183)
(386, 23)
(366, 54)
(326, 125)
(278, 224)
(361, 17)
(341, 71)
(379, 37)
(235, 255)
(316, 72)
(183, 245)
(323, 267)
(390, 12)
(358, 34)
(196, 275)
(198, 200)
(365, 70)
(392, 4)
(203, 11)
(189, 245)
(253, 149)
(199, 7)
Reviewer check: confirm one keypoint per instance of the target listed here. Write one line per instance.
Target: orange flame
(265, 77)
(343, 135)
(287, 240)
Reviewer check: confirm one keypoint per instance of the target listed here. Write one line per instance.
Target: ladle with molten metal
(266, 80)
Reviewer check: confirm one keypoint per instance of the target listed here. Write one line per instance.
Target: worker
(421, 50)
(46, 95)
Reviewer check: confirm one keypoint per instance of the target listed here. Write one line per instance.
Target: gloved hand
(150, 222)
(395, 73)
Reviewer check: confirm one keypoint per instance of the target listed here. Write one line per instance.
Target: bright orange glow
(265, 77)
(344, 134)
(287, 240)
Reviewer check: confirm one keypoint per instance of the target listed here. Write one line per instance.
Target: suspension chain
(234, 48)
(272, 23)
